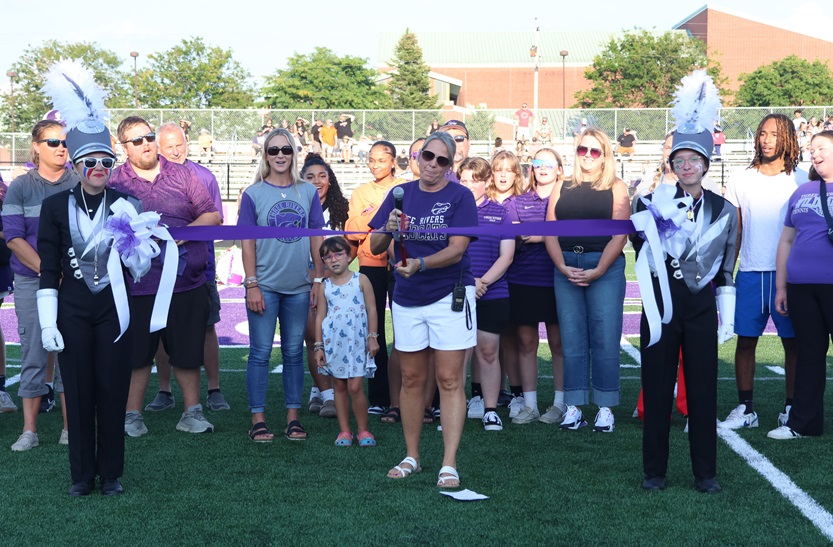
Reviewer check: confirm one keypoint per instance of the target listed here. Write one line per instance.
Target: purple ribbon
(124, 239)
(665, 227)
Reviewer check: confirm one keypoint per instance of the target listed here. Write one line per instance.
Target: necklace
(98, 240)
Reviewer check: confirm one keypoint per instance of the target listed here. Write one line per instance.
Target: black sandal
(428, 416)
(295, 431)
(391, 416)
(258, 430)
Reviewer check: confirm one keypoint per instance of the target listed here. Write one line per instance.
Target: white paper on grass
(465, 495)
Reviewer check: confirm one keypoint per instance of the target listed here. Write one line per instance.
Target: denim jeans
(292, 310)
(591, 328)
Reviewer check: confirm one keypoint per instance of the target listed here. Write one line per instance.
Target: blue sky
(262, 38)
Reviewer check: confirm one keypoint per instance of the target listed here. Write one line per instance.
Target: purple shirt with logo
(811, 257)
(485, 250)
(532, 265)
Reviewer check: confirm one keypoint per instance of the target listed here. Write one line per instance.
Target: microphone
(398, 194)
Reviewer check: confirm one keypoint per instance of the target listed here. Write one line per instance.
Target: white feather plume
(74, 92)
(696, 102)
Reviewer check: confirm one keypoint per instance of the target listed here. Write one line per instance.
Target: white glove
(48, 315)
(726, 309)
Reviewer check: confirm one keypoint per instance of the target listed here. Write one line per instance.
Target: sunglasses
(285, 150)
(334, 256)
(92, 163)
(680, 162)
(53, 143)
(460, 138)
(150, 137)
(537, 164)
(442, 161)
(595, 153)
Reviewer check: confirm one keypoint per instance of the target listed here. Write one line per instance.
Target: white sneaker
(738, 419)
(134, 424)
(491, 421)
(604, 420)
(553, 415)
(476, 408)
(193, 421)
(6, 403)
(573, 418)
(784, 416)
(516, 405)
(27, 441)
(64, 438)
(783, 433)
(527, 416)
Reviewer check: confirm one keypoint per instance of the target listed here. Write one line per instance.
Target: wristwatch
(318, 280)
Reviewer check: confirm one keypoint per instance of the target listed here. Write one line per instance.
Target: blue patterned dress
(345, 331)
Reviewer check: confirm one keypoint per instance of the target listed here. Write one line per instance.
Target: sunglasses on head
(442, 161)
(285, 150)
(595, 153)
(460, 138)
(53, 143)
(537, 164)
(92, 163)
(150, 137)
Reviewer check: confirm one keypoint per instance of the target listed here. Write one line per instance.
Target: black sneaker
(491, 421)
(504, 398)
(47, 402)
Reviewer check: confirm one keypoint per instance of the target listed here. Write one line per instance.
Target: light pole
(564, 54)
(12, 75)
(535, 54)
(135, 55)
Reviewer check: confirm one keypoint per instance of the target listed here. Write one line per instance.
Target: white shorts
(522, 134)
(435, 325)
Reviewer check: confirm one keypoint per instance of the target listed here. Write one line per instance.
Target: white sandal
(451, 477)
(404, 471)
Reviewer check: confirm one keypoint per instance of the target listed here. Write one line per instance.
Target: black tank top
(583, 202)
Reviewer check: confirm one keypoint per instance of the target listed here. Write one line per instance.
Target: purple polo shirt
(179, 198)
(532, 265)
(209, 181)
(485, 250)
(811, 256)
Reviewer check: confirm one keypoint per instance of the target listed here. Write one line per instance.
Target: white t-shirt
(762, 201)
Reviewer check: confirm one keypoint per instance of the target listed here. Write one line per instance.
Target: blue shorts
(756, 303)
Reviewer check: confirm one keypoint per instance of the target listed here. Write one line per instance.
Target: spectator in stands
(301, 131)
(257, 142)
(579, 130)
(363, 148)
(813, 125)
(798, 119)
(828, 123)
(173, 191)
(460, 134)
(21, 210)
(206, 144)
(719, 138)
(268, 124)
(402, 159)
(803, 135)
(186, 128)
(173, 148)
(316, 137)
(626, 142)
(433, 128)
(544, 133)
(328, 138)
(344, 130)
(524, 118)
(284, 125)
(498, 146)
(804, 285)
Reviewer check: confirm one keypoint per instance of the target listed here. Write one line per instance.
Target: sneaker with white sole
(477, 408)
(491, 421)
(6, 403)
(64, 438)
(134, 424)
(738, 419)
(193, 421)
(328, 409)
(604, 420)
(553, 415)
(783, 433)
(375, 409)
(527, 416)
(504, 398)
(784, 416)
(516, 405)
(573, 418)
(27, 441)
(162, 401)
(315, 405)
(216, 401)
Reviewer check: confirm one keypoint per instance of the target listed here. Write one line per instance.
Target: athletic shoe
(477, 408)
(553, 415)
(516, 405)
(738, 419)
(27, 441)
(216, 401)
(163, 401)
(315, 405)
(328, 409)
(783, 433)
(636, 415)
(6, 403)
(604, 420)
(64, 438)
(685, 429)
(784, 416)
(47, 402)
(527, 416)
(134, 424)
(375, 409)
(491, 421)
(436, 412)
(504, 398)
(193, 421)
(573, 418)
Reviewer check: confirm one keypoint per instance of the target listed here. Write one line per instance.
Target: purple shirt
(485, 250)
(811, 257)
(451, 207)
(209, 181)
(532, 265)
(179, 198)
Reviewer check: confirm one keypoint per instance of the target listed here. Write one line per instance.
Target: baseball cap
(456, 124)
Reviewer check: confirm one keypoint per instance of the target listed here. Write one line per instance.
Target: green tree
(30, 104)
(323, 80)
(481, 124)
(792, 81)
(193, 74)
(641, 69)
(409, 85)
